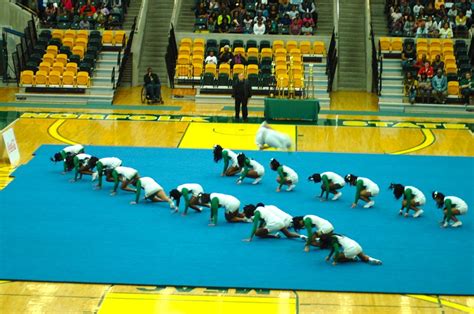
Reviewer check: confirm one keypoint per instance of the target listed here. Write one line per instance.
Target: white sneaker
(337, 196)
(457, 224)
(248, 219)
(369, 204)
(257, 180)
(303, 237)
(418, 213)
(277, 235)
(445, 225)
(401, 212)
(406, 215)
(374, 261)
(95, 175)
(290, 188)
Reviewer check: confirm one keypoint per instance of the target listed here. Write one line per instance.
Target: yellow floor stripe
(170, 304)
(429, 139)
(5, 178)
(53, 130)
(446, 303)
(228, 135)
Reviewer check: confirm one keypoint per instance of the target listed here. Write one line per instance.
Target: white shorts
(352, 249)
(260, 170)
(277, 225)
(373, 189)
(462, 209)
(420, 200)
(325, 229)
(232, 207)
(152, 190)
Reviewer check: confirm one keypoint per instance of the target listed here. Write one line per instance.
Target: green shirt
(256, 222)
(246, 169)
(309, 229)
(359, 188)
(282, 174)
(408, 193)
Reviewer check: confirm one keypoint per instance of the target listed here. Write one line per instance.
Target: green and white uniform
(412, 193)
(251, 164)
(79, 161)
(322, 226)
(71, 151)
(454, 202)
(108, 163)
(230, 203)
(188, 190)
(123, 174)
(345, 245)
(329, 177)
(229, 158)
(286, 173)
(365, 184)
(149, 186)
(275, 219)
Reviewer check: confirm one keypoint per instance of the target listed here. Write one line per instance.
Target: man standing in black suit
(241, 92)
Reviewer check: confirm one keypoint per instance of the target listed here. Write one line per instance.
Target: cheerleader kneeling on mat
(413, 198)
(286, 175)
(345, 250)
(230, 203)
(65, 153)
(190, 193)
(126, 176)
(231, 166)
(332, 182)
(309, 222)
(250, 169)
(452, 206)
(153, 192)
(365, 189)
(268, 137)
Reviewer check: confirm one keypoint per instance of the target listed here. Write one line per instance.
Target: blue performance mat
(54, 230)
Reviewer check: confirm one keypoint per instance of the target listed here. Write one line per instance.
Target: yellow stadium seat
(27, 78)
(41, 78)
(83, 79)
(446, 43)
(319, 48)
(422, 49)
(385, 43)
(69, 79)
(58, 67)
(282, 81)
(305, 47)
(281, 61)
(451, 68)
(252, 69)
(47, 57)
(71, 67)
(211, 68)
(224, 68)
(120, 38)
(45, 66)
(252, 52)
(297, 63)
(107, 38)
(448, 50)
(453, 88)
(434, 51)
(197, 69)
(78, 50)
(421, 41)
(68, 41)
(82, 42)
(184, 50)
(295, 54)
(298, 81)
(280, 52)
(82, 33)
(266, 53)
(297, 71)
(280, 70)
(199, 42)
(183, 59)
(396, 45)
(186, 42)
(62, 57)
(278, 44)
(182, 70)
(240, 50)
(57, 33)
(198, 51)
(197, 59)
(71, 33)
(238, 68)
(291, 44)
(449, 59)
(435, 43)
(54, 79)
(52, 50)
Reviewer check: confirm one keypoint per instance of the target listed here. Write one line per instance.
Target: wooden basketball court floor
(363, 132)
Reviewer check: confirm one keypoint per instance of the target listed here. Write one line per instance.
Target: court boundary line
(428, 139)
(53, 131)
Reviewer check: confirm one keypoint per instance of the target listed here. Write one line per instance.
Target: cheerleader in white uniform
(309, 222)
(345, 249)
(250, 169)
(452, 206)
(67, 152)
(127, 176)
(365, 189)
(153, 192)
(104, 166)
(268, 137)
(268, 221)
(230, 203)
(413, 198)
(190, 193)
(231, 166)
(331, 183)
(286, 175)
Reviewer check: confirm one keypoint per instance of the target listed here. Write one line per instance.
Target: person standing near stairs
(241, 92)
(153, 86)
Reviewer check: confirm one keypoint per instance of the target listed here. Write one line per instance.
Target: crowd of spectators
(81, 14)
(293, 17)
(430, 18)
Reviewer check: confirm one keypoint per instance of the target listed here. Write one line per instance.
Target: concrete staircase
(132, 11)
(155, 39)
(325, 17)
(392, 85)
(352, 50)
(186, 16)
(378, 17)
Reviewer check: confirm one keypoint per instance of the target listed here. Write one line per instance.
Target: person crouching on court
(269, 221)
(250, 169)
(332, 182)
(413, 198)
(286, 175)
(190, 193)
(231, 165)
(365, 189)
(68, 151)
(127, 176)
(153, 192)
(309, 222)
(104, 166)
(345, 250)
(452, 206)
(230, 203)
(267, 137)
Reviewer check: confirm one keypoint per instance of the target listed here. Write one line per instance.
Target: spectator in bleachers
(236, 24)
(224, 15)
(293, 12)
(452, 13)
(295, 28)
(308, 6)
(259, 28)
(224, 27)
(87, 9)
(440, 87)
(467, 87)
(238, 59)
(84, 23)
(429, 9)
(408, 56)
(307, 29)
(308, 18)
(201, 11)
(271, 27)
(116, 6)
(259, 16)
(240, 9)
(273, 13)
(446, 31)
(424, 88)
(438, 4)
(296, 2)
(410, 85)
(261, 10)
(50, 13)
(416, 8)
(153, 86)
(226, 56)
(437, 64)
(422, 31)
(248, 24)
(426, 69)
(409, 26)
(68, 6)
(285, 20)
(284, 6)
(211, 58)
(421, 62)
(214, 5)
(460, 22)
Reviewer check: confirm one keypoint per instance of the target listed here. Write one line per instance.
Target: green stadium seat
(251, 44)
(265, 44)
(237, 43)
(252, 60)
(224, 42)
(223, 79)
(208, 79)
(253, 80)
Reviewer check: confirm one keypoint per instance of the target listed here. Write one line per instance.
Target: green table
(291, 109)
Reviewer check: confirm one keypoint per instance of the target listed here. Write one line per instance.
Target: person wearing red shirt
(87, 9)
(427, 69)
